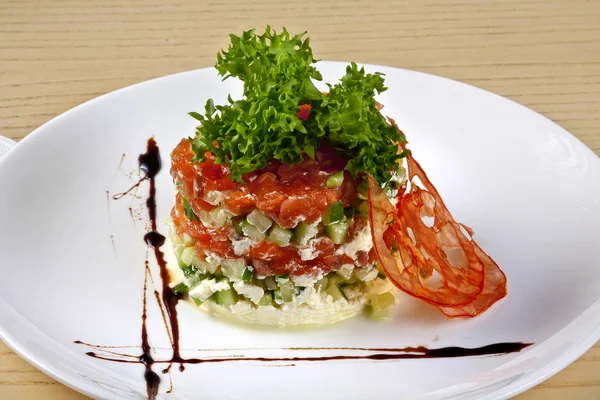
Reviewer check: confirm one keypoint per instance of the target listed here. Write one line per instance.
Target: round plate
(73, 258)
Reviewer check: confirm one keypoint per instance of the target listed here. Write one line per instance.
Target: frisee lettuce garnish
(269, 123)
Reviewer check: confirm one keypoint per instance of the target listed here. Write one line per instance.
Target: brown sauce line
(125, 193)
(150, 165)
(158, 300)
(152, 379)
(392, 354)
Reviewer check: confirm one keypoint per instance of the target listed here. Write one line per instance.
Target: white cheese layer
(362, 241)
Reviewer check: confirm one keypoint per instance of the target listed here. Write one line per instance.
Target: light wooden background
(543, 54)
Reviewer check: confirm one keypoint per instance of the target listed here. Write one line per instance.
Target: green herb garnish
(187, 210)
(283, 115)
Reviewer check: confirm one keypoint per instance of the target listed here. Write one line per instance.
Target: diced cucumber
(381, 272)
(282, 278)
(304, 232)
(259, 282)
(334, 213)
(350, 291)
(334, 280)
(219, 216)
(382, 301)
(287, 290)
(237, 225)
(187, 239)
(226, 297)
(178, 257)
(278, 297)
(380, 314)
(213, 265)
(194, 280)
(251, 231)
(197, 302)
(363, 190)
(270, 283)
(334, 292)
(233, 269)
(345, 272)
(321, 284)
(335, 180)
(280, 236)
(200, 264)
(363, 208)
(180, 288)
(187, 256)
(365, 274)
(337, 232)
(248, 274)
(266, 300)
(259, 220)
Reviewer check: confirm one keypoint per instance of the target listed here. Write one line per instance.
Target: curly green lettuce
(283, 116)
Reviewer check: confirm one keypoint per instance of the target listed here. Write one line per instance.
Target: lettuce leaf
(278, 73)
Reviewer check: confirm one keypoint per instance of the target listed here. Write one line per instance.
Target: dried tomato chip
(435, 260)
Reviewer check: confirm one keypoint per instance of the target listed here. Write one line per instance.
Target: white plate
(6, 145)
(529, 189)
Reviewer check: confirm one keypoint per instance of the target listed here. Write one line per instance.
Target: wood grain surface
(544, 54)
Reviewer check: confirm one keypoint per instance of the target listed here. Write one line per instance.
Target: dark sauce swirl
(150, 164)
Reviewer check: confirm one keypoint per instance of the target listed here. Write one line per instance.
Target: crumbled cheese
(213, 262)
(202, 291)
(307, 279)
(254, 293)
(218, 286)
(207, 287)
(241, 247)
(362, 241)
(241, 307)
(309, 251)
(399, 177)
(346, 271)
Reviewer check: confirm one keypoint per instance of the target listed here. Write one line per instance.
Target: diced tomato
(225, 183)
(239, 202)
(288, 193)
(212, 171)
(265, 250)
(216, 239)
(294, 210)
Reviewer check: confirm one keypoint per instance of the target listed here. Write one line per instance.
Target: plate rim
(512, 389)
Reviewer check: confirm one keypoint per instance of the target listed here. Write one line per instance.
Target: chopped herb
(248, 274)
(189, 270)
(187, 209)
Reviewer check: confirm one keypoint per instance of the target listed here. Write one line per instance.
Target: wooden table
(544, 54)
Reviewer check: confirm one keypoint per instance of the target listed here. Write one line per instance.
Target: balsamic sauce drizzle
(150, 164)
(386, 354)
